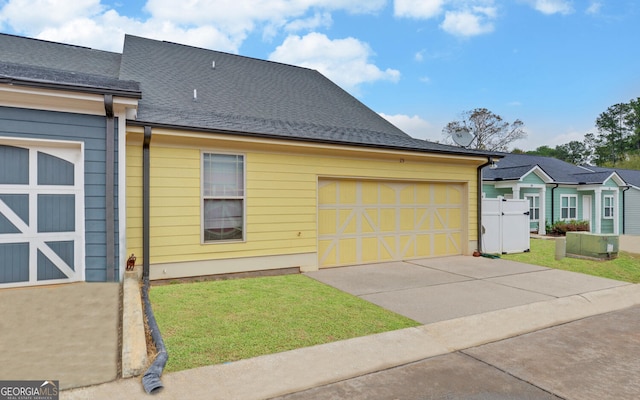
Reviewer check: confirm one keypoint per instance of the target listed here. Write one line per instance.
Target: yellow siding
(281, 202)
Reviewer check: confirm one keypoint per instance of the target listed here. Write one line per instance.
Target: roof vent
(213, 65)
(195, 94)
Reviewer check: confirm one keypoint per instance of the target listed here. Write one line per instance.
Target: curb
(134, 344)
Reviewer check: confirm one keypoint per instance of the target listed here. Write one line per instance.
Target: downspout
(479, 205)
(109, 189)
(553, 202)
(151, 379)
(623, 208)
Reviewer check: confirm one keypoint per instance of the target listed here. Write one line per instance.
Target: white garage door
(370, 221)
(41, 213)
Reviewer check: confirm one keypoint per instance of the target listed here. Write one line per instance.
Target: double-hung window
(608, 207)
(223, 197)
(569, 206)
(534, 207)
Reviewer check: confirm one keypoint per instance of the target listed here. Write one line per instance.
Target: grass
(624, 268)
(215, 322)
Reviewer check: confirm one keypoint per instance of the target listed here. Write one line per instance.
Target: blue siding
(90, 129)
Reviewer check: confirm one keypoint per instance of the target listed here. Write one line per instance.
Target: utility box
(592, 245)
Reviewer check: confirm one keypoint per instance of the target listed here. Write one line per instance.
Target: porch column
(542, 221)
(516, 191)
(598, 206)
(616, 218)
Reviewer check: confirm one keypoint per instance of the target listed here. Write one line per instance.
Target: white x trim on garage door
(370, 221)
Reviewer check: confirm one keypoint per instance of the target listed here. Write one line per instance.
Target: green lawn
(624, 268)
(214, 322)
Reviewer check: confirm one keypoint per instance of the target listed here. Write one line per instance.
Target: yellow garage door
(370, 221)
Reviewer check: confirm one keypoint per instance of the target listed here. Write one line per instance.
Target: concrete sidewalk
(278, 374)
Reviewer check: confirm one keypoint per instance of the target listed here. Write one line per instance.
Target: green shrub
(560, 228)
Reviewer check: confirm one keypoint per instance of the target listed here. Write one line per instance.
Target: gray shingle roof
(250, 96)
(631, 176)
(59, 56)
(236, 95)
(513, 166)
(42, 63)
(47, 77)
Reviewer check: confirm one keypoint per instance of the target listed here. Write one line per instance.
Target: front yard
(624, 268)
(214, 322)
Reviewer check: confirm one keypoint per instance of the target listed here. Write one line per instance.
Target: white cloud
(461, 17)
(34, 15)
(415, 126)
(469, 22)
(552, 6)
(316, 21)
(594, 7)
(344, 61)
(219, 24)
(420, 9)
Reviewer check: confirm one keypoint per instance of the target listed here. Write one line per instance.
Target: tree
(489, 130)
(574, 152)
(613, 133)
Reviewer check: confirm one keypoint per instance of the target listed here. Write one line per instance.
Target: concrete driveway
(65, 332)
(437, 289)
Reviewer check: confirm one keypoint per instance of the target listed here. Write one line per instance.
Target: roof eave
(309, 140)
(135, 94)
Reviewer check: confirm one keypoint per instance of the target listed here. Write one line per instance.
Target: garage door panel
(326, 221)
(407, 219)
(387, 220)
(370, 221)
(347, 193)
(361, 222)
(347, 222)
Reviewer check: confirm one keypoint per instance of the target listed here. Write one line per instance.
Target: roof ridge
(221, 52)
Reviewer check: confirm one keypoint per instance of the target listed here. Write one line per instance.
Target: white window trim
(569, 197)
(604, 206)
(243, 198)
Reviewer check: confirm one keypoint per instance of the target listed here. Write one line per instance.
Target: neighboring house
(630, 198)
(62, 109)
(558, 191)
(237, 164)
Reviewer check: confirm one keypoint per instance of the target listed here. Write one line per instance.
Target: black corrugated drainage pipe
(151, 379)
(479, 176)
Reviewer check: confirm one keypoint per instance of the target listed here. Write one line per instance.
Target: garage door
(41, 218)
(369, 221)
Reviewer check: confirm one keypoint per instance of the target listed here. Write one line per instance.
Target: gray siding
(632, 211)
(47, 125)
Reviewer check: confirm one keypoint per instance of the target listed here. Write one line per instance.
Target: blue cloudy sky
(554, 64)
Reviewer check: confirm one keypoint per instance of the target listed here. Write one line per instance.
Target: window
(534, 207)
(608, 207)
(568, 206)
(222, 197)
